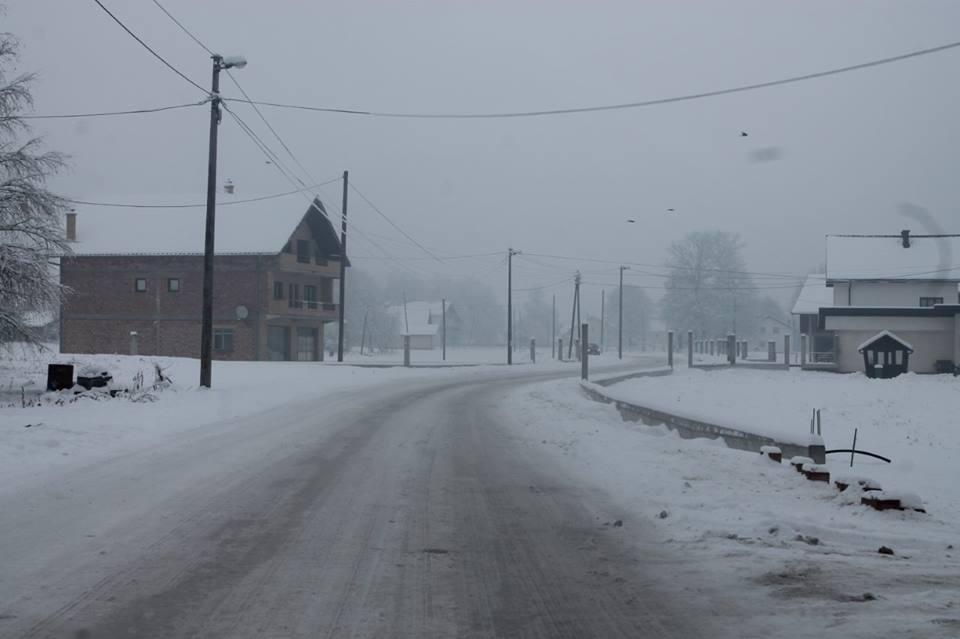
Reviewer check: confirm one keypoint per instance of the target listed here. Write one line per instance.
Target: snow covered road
(401, 510)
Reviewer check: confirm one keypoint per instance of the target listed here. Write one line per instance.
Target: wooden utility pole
(620, 309)
(574, 313)
(553, 329)
(343, 266)
(510, 254)
(443, 303)
(603, 299)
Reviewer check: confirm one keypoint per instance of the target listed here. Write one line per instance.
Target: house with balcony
(135, 280)
(895, 303)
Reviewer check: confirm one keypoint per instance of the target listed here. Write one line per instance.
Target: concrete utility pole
(603, 299)
(510, 254)
(553, 328)
(343, 266)
(620, 309)
(574, 312)
(443, 304)
(206, 321)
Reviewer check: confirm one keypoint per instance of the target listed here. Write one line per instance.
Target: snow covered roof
(242, 227)
(882, 334)
(813, 296)
(883, 257)
(416, 319)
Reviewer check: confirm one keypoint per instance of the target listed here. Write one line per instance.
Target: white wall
(903, 293)
(421, 342)
(932, 338)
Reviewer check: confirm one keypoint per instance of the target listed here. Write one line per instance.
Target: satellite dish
(242, 312)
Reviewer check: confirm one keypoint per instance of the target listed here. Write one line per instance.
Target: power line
(148, 48)
(626, 105)
(101, 114)
(393, 224)
(540, 288)
(689, 268)
(185, 30)
(199, 204)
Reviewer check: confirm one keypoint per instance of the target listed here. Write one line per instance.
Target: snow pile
(911, 419)
(801, 554)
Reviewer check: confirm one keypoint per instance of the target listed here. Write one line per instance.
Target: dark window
(223, 340)
(326, 289)
(930, 301)
(310, 296)
(278, 290)
(173, 284)
(140, 285)
(303, 251)
(293, 300)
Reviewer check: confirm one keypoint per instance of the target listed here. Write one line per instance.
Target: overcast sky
(851, 148)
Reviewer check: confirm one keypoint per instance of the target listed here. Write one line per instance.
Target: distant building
(814, 295)
(895, 302)
(423, 322)
(136, 278)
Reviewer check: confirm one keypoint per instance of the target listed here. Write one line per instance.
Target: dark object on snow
(869, 596)
(858, 452)
(743, 134)
(94, 381)
(883, 550)
(881, 504)
(59, 376)
(942, 366)
(808, 539)
(663, 514)
(885, 356)
(618, 523)
(593, 349)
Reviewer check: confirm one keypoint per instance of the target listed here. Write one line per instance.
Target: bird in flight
(671, 210)
(743, 134)
(632, 221)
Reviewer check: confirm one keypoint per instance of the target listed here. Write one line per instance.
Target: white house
(895, 302)
(423, 322)
(814, 295)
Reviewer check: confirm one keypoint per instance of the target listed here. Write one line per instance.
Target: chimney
(228, 187)
(71, 226)
(905, 238)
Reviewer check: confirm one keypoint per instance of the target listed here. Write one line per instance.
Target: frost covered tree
(31, 233)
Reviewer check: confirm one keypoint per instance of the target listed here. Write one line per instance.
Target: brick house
(136, 277)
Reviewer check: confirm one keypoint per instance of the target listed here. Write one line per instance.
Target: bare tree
(31, 235)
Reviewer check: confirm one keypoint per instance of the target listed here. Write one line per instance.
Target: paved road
(419, 515)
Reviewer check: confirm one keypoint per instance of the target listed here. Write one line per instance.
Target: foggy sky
(852, 147)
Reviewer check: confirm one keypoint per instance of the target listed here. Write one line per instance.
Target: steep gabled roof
(883, 257)
(242, 228)
(880, 336)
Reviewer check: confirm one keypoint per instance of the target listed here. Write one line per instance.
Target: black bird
(743, 134)
(631, 221)
(671, 210)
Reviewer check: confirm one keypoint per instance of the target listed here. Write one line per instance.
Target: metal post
(560, 349)
(343, 267)
(553, 329)
(689, 349)
(406, 350)
(603, 299)
(732, 348)
(584, 351)
(509, 306)
(443, 303)
(803, 349)
(670, 349)
(620, 310)
(206, 321)
(771, 351)
(786, 351)
(533, 351)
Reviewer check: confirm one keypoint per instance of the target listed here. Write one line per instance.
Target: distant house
(423, 322)
(771, 329)
(890, 290)
(136, 278)
(814, 295)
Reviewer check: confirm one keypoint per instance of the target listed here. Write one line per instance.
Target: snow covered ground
(911, 419)
(466, 355)
(802, 556)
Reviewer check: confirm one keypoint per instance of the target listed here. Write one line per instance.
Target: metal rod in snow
(819, 432)
(853, 449)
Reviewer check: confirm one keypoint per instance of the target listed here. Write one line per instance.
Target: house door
(278, 343)
(306, 344)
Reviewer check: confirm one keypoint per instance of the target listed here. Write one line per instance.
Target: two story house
(895, 302)
(135, 280)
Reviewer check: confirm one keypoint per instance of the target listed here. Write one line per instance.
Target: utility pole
(343, 265)
(574, 313)
(206, 318)
(603, 299)
(443, 304)
(620, 309)
(553, 329)
(363, 331)
(510, 254)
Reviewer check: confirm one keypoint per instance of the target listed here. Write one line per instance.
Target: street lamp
(206, 323)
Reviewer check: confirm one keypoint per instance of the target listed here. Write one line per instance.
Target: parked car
(593, 349)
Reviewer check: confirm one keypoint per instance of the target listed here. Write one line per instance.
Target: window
(278, 290)
(326, 289)
(293, 300)
(223, 340)
(140, 285)
(310, 296)
(303, 251)
(930, 301)
(173, 284)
